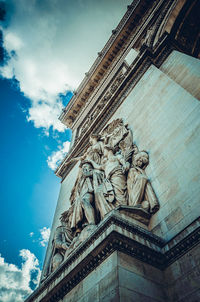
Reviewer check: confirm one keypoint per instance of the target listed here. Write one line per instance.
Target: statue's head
(86, 167)
(108, 149)
(94, 138)
(141, 159)
(64, 217)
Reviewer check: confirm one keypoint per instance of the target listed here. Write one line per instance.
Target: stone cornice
(132, 21)
(114, 234)
(143, 23)
(94, 113)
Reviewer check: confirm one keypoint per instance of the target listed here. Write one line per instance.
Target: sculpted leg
(102, 204)
(118, 182)
(57, 260)
(136, 191)
(88, 208)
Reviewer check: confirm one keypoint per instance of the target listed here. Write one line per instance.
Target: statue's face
(141, 159)
(87, 169)
(93, 140)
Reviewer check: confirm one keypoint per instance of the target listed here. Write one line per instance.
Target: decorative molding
(139, 17)
(151, 18)
(121, 236)
(182, 247)
(115, 43)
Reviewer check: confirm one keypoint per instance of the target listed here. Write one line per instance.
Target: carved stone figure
(114, 133)
(140, 191)
(82, 198)
(115, 180)
(94, 152)
(62, 240)
(112, 173)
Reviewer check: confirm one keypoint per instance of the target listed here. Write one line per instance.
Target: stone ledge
(114, 233)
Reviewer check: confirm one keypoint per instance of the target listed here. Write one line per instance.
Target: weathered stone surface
(138, 267)
(128, 295)
(184, 70)
(183, 277)
(108, 286)
(112, 296)
(173, 218)
(91, 295)
(171, 134)
(178, 204)
(105, 276)
(140, 284)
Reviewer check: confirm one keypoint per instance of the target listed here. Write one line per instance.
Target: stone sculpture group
(111, 173)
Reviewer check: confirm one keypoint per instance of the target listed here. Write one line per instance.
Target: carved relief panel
(111, 175)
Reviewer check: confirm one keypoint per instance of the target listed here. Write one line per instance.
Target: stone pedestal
(122, 261)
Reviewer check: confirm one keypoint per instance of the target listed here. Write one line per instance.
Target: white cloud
(15, 282)
(46, 115)
(31, 234)
(57, 156)
(51, 45)
(45, 233)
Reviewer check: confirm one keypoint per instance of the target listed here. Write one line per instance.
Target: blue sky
(46, 48)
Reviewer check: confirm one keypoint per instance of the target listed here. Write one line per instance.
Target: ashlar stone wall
(120, 278)
(182, 277)
(164, 118)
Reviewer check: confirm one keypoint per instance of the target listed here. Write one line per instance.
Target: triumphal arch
(126, 226)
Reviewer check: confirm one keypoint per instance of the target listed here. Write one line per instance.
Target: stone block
(112, 296)
(192, 297)
(139, 284)
(185, 286)
(140, 268)
(127, 295)
(106, 270)
(173, 218)
(108, 284)
(92, 295)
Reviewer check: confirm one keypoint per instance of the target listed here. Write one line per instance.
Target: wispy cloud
(16, 282)
(45, 233)
(50, 46)
(37, 60)
(57, 156)
(45, 115)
